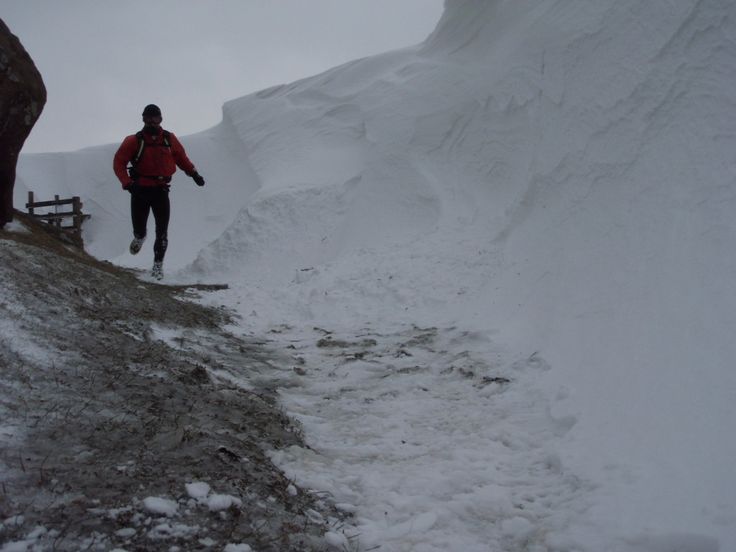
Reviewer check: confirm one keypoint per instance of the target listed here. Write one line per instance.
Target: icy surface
(444, 441)
(544, 187)
(16, 226)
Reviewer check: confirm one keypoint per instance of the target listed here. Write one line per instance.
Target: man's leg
(161, 213)
(140, 206)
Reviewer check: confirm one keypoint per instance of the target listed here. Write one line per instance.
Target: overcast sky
(103, 60)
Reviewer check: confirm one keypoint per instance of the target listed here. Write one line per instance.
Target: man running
(153, 155)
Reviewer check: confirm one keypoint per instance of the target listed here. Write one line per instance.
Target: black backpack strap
(139, 151)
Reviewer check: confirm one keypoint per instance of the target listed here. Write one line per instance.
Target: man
(153, 155)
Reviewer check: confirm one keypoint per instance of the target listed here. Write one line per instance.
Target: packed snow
(503, 261)
(161, 506)
(198, 490)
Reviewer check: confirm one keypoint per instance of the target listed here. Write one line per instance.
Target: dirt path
(114, 395)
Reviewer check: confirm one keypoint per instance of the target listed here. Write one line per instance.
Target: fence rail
(57, 217)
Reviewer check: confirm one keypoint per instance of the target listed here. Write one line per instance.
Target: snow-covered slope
(559, 174)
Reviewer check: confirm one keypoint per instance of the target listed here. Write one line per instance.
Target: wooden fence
(56, 218)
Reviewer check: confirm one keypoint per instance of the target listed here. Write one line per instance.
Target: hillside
(541, 192)
(122, 425)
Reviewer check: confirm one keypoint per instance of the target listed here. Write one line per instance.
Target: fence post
(57, 222)
(57, 217)
(77, 209)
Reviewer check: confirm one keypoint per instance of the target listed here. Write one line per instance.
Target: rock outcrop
(22, 97)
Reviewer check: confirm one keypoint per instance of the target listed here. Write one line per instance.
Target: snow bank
(556, 172)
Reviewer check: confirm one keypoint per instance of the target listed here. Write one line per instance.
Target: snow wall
(558, 172)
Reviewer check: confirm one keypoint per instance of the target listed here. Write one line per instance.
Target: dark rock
(22, 97)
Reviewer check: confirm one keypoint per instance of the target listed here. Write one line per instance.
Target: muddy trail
(131, 419)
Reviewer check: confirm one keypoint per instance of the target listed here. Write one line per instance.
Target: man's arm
(180, 156)
(183, 162)
(124, 155)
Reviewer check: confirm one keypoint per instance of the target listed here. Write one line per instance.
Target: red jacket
(157, 159)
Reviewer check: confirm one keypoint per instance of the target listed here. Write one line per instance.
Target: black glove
(133, 187)
(198, 180)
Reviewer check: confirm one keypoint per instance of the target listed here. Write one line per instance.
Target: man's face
(152, 120)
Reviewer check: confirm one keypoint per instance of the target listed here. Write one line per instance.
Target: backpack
(133, 170)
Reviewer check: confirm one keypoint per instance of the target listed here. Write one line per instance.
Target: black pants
(142, 202)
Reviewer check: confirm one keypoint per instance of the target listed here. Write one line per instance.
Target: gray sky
(103, 60)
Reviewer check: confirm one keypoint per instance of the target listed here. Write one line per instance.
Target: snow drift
(559, 173)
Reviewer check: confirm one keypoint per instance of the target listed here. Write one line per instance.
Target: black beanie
(151, 111)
